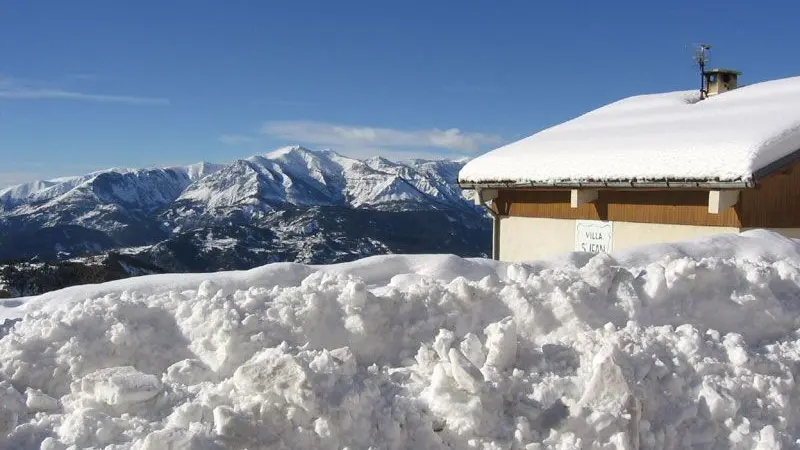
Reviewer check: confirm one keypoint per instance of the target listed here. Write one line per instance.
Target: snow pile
(665, 348)
(658, 136)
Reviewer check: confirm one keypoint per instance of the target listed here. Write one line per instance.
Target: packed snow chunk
(466, 375)
(736, 349)
(655, 285)
(207, 289)
(472, 349)
(444, 339)
(120, 386)
(12, 407)
(721, 403)
(273, 373)
(768, 439)
(607, 389)
(178, 439)
(339, 360)
(354, 294)
(599, 272)
(501, 343)
(189, 372)
(37, 400)
(87, 427)
(461, 402)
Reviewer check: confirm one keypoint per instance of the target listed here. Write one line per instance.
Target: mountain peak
(381, 161)
(292, 174)
(291, 149)
(199, 170)
(332, 153)
(290, 204)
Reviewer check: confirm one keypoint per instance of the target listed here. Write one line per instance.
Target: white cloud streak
(12, 89)
(346, 136)
(43, 94)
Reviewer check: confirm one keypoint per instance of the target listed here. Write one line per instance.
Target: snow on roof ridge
(668, 136)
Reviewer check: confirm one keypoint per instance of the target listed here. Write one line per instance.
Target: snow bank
(657, 136)
(676, 346)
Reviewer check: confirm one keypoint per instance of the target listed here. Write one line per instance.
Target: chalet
(647, 169)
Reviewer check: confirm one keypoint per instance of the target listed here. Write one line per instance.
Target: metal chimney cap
(720, 70)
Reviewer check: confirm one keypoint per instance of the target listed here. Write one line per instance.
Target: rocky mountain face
(293, 204)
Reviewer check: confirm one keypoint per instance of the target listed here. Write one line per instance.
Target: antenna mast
(701, 58)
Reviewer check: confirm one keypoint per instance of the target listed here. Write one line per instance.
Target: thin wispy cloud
(348, 136)
(235, 139)
(12, 89)
(41, 94)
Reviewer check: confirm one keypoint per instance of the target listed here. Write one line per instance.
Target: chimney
(720, 80)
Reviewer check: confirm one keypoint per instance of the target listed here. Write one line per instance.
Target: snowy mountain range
(293, 204)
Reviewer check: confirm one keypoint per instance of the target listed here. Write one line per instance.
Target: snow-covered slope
(143, 188)
(302, 177)
(38, 191)
(198, 170)
(274, 206)
(671, 136)
(289, 175)
(64, 200)
(687, 345)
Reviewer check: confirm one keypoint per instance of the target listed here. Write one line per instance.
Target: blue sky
(95, 84)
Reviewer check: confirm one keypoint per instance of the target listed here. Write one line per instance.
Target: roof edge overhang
(751, 182)
(777, 165)
(611, 184)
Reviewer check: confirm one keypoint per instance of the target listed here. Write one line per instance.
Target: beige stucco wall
(529, 238)
(628, 234)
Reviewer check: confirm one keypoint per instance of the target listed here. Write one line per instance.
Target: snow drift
(675, 346)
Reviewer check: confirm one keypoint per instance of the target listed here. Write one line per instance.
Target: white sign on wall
(593, 236)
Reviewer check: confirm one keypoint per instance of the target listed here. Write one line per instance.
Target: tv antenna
(701, 58)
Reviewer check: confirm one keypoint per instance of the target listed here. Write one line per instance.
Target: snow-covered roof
(669, 136)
